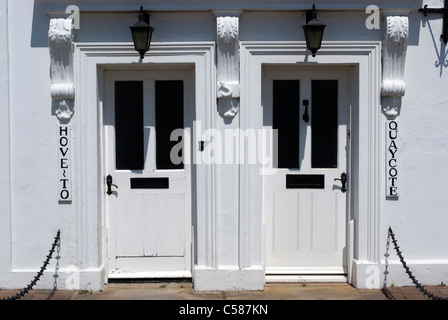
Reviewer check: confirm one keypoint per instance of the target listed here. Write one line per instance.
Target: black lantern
(142, 33)
(314, 31)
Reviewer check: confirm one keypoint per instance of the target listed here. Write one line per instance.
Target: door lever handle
(306, 116)
(110, 184)
(343, 180)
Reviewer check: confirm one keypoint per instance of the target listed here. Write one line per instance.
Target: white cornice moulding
(395, 43)
(61, 53)
(57, 7)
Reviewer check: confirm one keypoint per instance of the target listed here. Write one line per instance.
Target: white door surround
(304, 206)
(91, 60)
(149, 204)
(363, 59)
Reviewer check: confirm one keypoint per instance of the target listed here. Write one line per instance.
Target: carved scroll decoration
(228, 69)
(394, 57)
(61, 53)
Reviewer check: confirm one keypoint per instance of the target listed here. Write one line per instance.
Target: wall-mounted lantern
(314, 31)
(142, 33)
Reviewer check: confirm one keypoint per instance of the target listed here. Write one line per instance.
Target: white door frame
(149, 75)
(90, 60)
(294, 72)
(363, 58)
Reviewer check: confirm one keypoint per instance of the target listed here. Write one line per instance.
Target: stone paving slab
(184, 291)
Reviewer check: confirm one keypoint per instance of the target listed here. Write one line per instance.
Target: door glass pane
(286, 119)
(169, 117)
(324, 123)
(129, 125)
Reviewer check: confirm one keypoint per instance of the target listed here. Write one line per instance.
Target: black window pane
(169, 117)
(286, 119)
(129, 125)
(324, 124)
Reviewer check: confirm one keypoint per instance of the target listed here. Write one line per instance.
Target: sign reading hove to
(392, 159)
(64, 163)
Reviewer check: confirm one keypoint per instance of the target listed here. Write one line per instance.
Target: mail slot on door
(305, 181)
(150, 183)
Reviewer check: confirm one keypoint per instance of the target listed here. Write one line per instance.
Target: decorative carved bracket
(394, 57)
(228, 69)
(62, 87)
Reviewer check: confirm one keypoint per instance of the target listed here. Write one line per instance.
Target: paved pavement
(179, 301)
(412, 293)
(278, 291)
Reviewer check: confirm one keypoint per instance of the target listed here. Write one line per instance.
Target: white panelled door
(147, 182)
(304, 202)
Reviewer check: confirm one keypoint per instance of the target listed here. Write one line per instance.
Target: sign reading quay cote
(392, 159)
(64, 163)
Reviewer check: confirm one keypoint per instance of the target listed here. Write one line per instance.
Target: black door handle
(343, 181)
(306, 116)
(110, 184)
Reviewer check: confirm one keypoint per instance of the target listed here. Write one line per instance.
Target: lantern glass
(314, 31)
(313, 35)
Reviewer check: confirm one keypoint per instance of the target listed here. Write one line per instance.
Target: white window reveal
(392, 159)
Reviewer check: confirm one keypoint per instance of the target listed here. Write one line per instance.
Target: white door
(147, 182)
(304, 203)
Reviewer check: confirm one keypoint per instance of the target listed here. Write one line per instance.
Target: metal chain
(39, 274)
(408, 271)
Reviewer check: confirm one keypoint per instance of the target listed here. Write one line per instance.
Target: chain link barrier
(408, 271)
(28, 288)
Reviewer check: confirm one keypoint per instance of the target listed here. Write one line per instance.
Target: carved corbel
(62, 87)
(394, 57)
(228, 69)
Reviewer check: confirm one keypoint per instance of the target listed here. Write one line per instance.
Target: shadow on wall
(106, 31)
(440, 48)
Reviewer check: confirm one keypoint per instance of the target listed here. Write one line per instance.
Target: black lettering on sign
(392, 170)
(64, 163)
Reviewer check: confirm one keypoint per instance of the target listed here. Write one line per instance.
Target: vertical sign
(64, 163)
(392, 159)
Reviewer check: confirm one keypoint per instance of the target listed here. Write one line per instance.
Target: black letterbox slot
(150, 183)
(305, 181)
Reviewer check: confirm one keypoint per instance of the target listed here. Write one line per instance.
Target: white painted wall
(5, 195)
(30, 214)
(418, 218)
